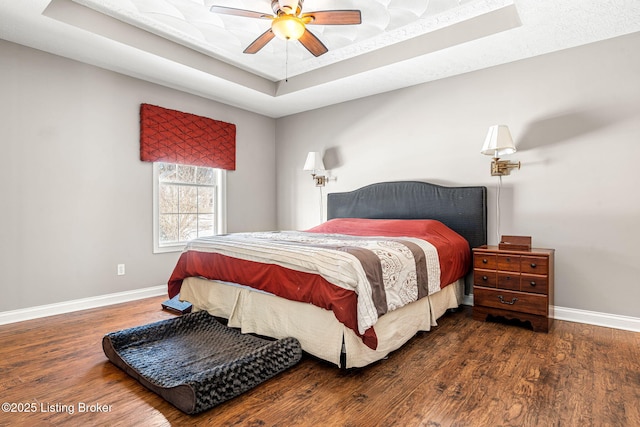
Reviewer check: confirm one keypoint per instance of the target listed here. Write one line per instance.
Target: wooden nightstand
(514, 284)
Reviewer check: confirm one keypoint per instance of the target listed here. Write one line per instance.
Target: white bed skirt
(317, 329)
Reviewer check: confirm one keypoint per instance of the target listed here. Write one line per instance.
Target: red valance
(175, 137)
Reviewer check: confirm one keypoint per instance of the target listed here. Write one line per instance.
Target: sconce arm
(502, 167)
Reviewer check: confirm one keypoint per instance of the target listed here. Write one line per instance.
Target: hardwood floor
(462, 373)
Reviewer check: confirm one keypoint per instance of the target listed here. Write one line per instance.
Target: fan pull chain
(286, 62)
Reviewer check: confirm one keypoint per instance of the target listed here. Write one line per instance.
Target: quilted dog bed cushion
(195, 362)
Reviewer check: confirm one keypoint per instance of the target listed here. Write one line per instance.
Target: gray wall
(575, 118)
(76, 199)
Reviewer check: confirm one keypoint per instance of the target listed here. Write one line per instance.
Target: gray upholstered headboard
(463, 209)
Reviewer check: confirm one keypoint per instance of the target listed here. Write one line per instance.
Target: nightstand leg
(538, 323)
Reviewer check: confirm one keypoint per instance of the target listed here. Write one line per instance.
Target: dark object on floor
(175, 305)
(195, 362)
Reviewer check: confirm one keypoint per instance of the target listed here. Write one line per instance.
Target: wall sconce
(497, 144)
(314, 164)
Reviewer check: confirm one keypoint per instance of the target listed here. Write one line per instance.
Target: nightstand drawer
(534, 265)
(536, 284)
(486, 278)
(509, 262)
(508, 300)
(486, 261)
(509, 281)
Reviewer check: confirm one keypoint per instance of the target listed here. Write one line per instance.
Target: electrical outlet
(120, 269)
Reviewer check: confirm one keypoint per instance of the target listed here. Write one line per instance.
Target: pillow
(420, 228)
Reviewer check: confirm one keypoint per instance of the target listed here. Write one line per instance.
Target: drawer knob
(484, 260)
(533, 265)
(533, 283)
(502, 301)
(485, 278)
(508, 259)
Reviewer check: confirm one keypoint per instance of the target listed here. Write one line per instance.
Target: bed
(350, 328)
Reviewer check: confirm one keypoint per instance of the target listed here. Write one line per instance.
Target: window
(188, 202)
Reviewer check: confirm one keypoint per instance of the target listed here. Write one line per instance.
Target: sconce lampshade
(314, 162)
(498, 142)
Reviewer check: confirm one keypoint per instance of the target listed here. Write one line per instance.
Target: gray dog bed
(195, 362)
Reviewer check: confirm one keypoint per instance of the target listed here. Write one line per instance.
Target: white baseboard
(614, 321)
(79, 304)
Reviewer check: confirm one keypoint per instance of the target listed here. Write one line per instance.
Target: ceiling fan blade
(312, 43)
(260, 42)
(239, 12)
(333, 17)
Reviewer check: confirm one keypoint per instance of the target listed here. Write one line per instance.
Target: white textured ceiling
(180, 44)
(189, 23)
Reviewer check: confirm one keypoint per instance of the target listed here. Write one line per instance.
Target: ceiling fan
(289, 23)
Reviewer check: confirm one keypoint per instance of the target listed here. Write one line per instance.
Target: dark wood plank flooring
(463, 373)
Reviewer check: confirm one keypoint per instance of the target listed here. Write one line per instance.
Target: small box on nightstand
(515, 243)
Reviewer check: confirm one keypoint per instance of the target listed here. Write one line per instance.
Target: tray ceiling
(181, 44)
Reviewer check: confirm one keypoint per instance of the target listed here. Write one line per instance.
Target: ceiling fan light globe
(288, 27)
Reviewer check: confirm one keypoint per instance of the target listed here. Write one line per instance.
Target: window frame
(220, 213)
